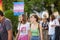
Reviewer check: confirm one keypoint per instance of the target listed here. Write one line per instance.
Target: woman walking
(23, 28)
(51, 30)
(35, 28)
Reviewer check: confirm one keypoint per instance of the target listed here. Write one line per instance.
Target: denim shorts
(35, 38)
(51, 37)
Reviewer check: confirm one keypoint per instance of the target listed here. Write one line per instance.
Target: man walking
(57, 29)
(5, 28)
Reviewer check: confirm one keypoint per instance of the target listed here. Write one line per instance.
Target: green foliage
(9, 14)
(31, 5)
(8, 4)
(57, 5)
(39, 4)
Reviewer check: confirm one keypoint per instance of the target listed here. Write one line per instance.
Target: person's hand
(16, 38)
(42, 39)
(42, 28)
(46, 28)
(52, 25)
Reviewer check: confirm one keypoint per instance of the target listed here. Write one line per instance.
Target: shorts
(51, 37)
(35, 38)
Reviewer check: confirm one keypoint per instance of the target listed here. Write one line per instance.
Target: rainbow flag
(1, 5)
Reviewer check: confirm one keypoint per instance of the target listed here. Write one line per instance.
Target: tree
(39, 5)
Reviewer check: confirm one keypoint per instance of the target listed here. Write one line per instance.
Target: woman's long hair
(24, 19)
(37, 18)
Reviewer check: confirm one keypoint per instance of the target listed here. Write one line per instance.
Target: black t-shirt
(45, 25)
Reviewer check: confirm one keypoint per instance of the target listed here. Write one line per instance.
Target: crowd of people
(32, 28)
(38, 29)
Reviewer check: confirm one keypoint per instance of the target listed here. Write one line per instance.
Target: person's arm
(17, 35)
(41, 34)
(29, 35)
(18, 28)
(56, 23)
(9, 29)
(29, 31)
(9, 34)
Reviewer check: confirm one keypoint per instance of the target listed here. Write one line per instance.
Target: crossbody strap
(39, 28)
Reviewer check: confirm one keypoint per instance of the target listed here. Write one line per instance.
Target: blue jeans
(51, 37)
(35, 38)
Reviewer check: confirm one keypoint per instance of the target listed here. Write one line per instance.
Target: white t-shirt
(51, 30)
(57, 22)
(23, 28)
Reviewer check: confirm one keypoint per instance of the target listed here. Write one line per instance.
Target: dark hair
(24, 18)
(53, 17)
(1, 13)
(37, 18)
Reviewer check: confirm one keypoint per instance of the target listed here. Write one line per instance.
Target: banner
(18, 8)
(1, 5)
